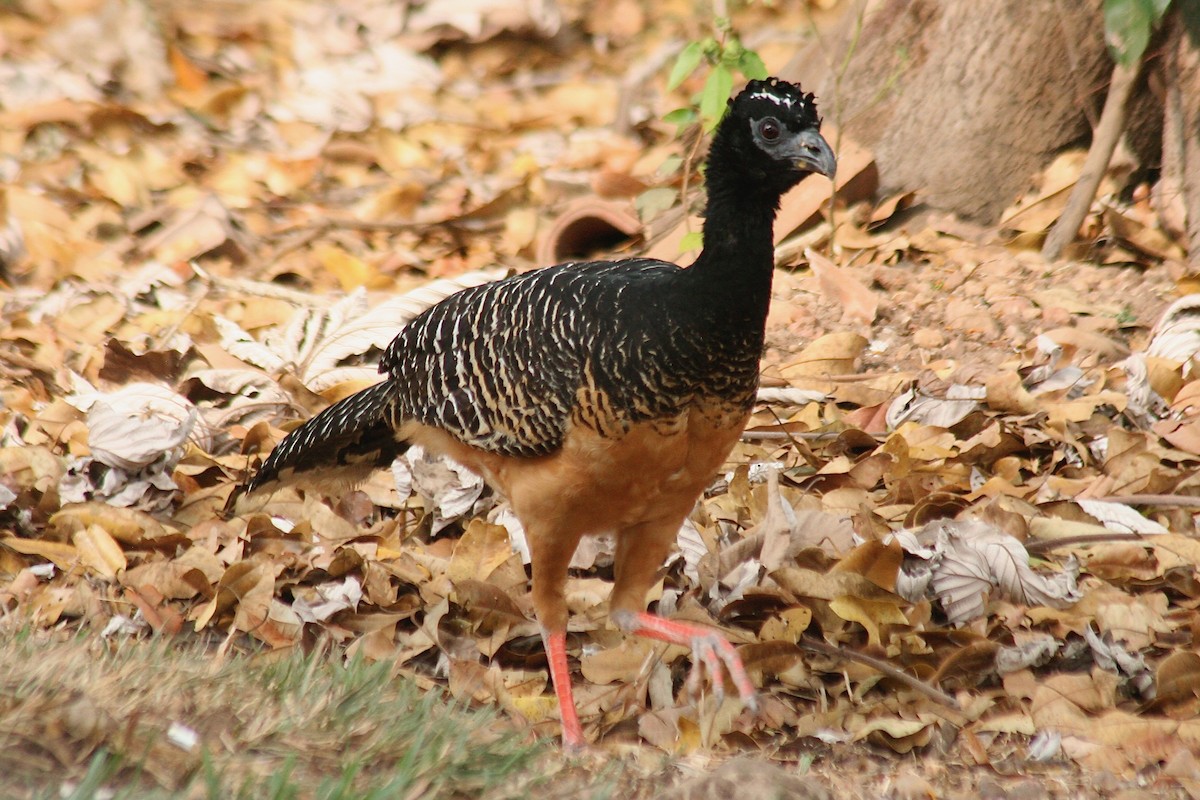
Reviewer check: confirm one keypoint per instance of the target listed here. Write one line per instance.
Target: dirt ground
(968, 317)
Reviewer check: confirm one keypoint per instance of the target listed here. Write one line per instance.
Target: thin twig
(932, 692)
(321, 226)
(245, 286)
(1043, 545)
(298, 242)
(1167, 500)
(770, 436)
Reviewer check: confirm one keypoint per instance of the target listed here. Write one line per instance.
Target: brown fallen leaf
(63, 556)
(858, 303)
(159, 615)
(831, 354)
(99, 552)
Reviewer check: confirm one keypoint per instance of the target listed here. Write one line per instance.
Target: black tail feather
(345, 441)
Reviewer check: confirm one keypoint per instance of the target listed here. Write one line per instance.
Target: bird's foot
(711, 651)
(716, 656)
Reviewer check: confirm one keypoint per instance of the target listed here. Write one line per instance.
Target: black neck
(734, 270)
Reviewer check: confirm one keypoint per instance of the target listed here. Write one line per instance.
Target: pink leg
(711, 651)
(556, 651)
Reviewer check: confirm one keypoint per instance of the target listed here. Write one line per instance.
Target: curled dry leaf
(479, 20)
(1006, 392)
(452, 489)
(1034, 651)
(188, 233)
(1176, 335)
(126, 525)
(319, 603)
(1178, 677)
(969, 560)
(316, 342)
(790, 396)
(138, 424)
(99, 552)
(940, 412)
(1112, 656)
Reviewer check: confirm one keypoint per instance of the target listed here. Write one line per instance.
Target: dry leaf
(970, 560)
(858, 303)
(99, 552)
(832, 354)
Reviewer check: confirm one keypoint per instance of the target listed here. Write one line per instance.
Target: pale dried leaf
(1066, 378)
(1034, 651)
(971, 558)
(319, 603)
(479, 20)
(1176, 335)
(191, 232)
(451, 487)
(502, 514)
(243, 383)
(962, 582)
(593, 551)
(777, 526)
(1119, 517)
(831, 354)
(253, 396)
(960, 400)
(316, 342)
(693, 547)
(1046, 746)
(1112, 656)
(337, 82)
(121, 625)
(1144, 403)
(240, 344)
(135, 425)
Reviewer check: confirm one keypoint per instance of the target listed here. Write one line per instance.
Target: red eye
(769, 130)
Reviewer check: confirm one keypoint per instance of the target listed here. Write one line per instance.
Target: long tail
(338, 447)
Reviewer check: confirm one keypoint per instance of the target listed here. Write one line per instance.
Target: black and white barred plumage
(512, 367)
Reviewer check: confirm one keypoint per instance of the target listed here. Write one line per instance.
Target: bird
(598, 397)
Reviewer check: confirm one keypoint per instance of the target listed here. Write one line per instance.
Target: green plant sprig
(726, 55)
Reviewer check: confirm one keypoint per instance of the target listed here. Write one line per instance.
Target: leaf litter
(962, 520)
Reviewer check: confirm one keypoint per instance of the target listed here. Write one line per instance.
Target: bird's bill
(813, 153)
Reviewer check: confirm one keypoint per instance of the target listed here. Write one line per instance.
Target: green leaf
(652, 202)
(714, 97)
(692, 240)
(669, 166)
(1128, 25)
(752, 66)
(685, 64)
(680, 116)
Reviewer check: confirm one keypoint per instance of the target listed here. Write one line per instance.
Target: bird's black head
(772, 135)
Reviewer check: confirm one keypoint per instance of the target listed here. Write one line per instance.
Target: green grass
(82, 718)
